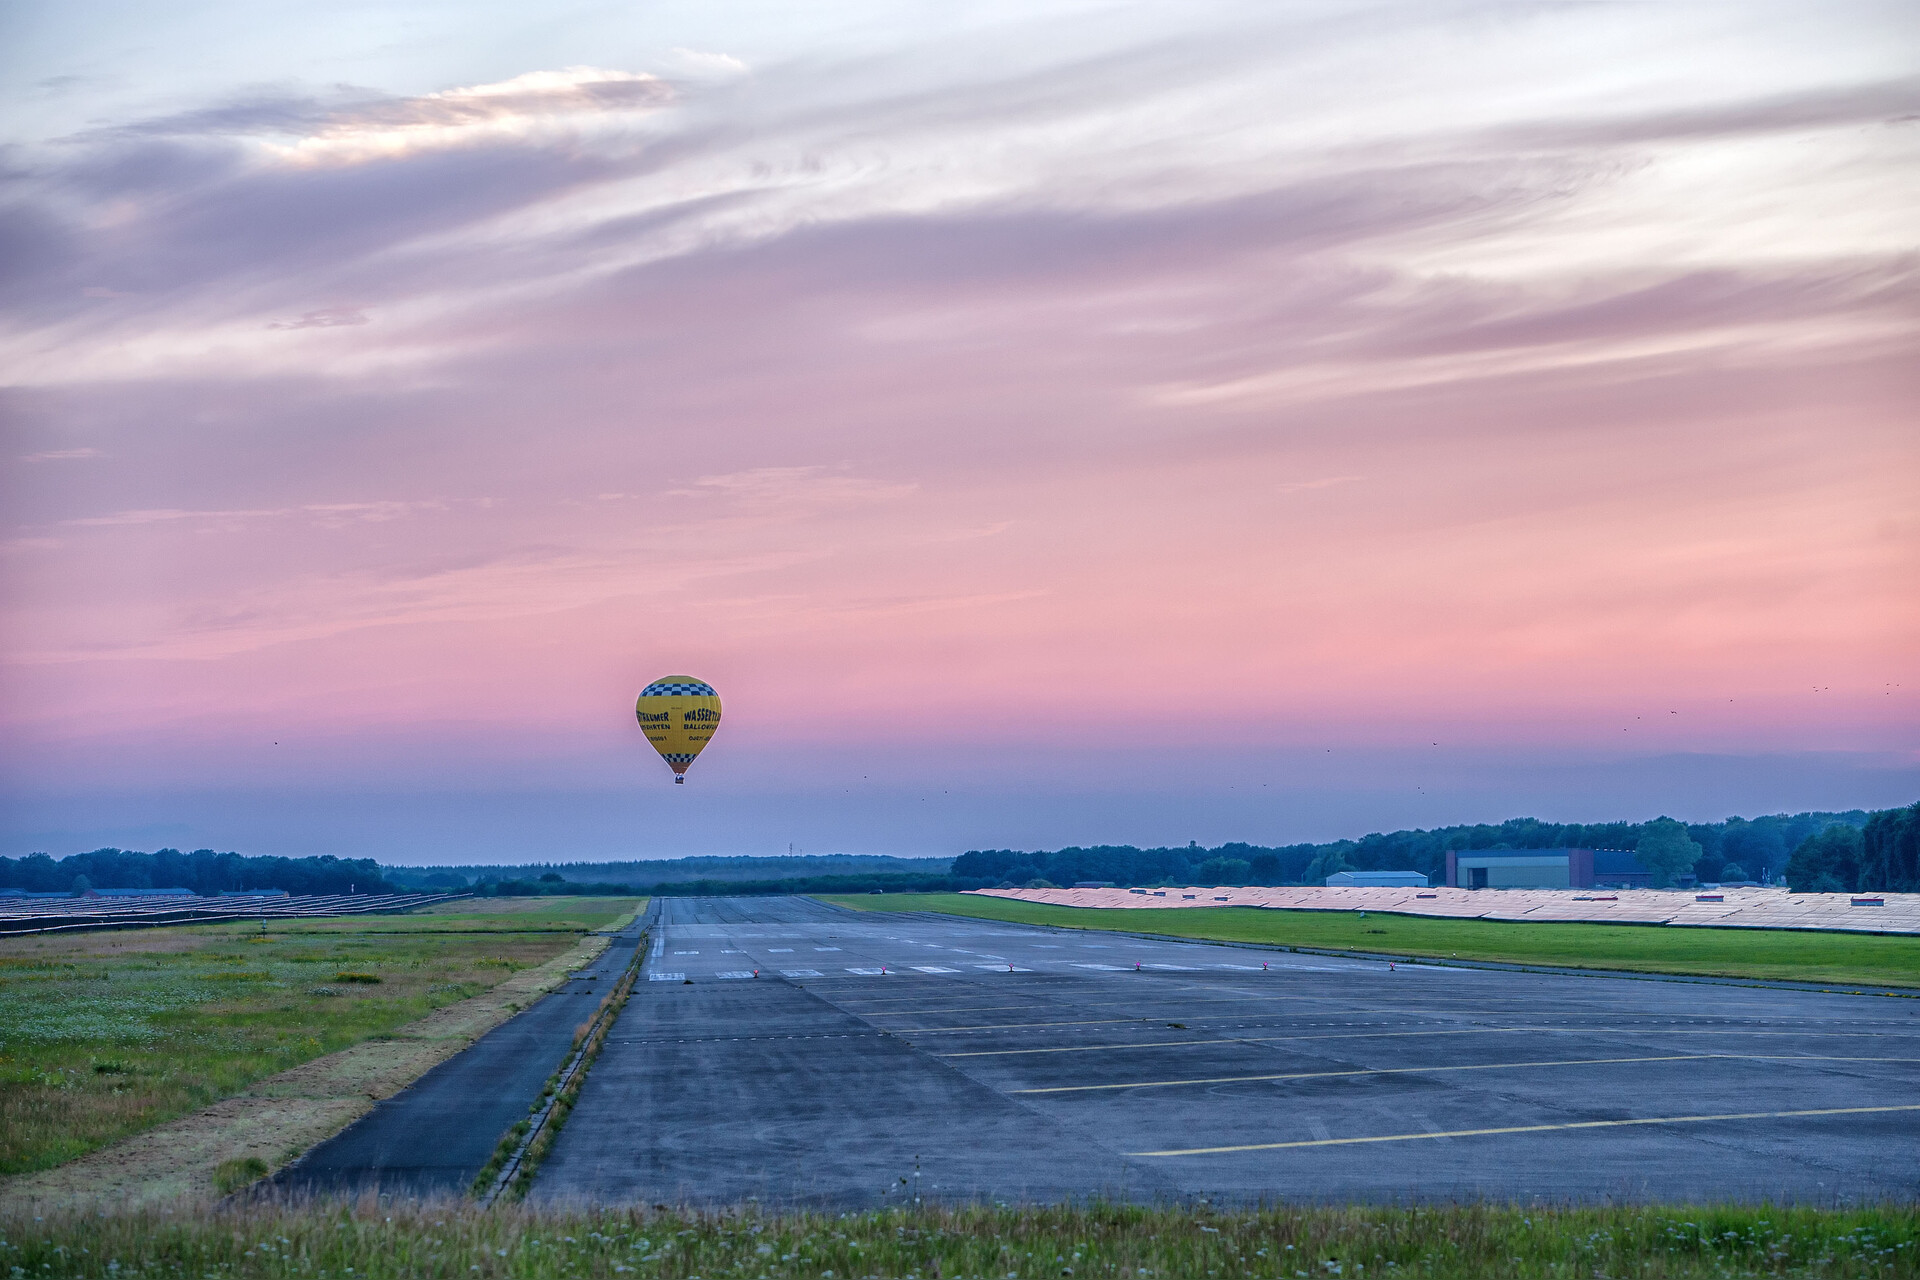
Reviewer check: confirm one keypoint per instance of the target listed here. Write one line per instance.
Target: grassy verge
(1784, 954)
(1445, 1242)
(105, 1035)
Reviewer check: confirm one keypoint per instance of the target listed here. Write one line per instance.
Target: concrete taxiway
(879, 1057)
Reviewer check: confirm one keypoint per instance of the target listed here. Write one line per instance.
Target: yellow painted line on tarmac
(1477, 1066)
(1529, 1128)
(1462, 1031)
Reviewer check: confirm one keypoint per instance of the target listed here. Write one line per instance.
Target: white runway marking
(778, 950)
(1002, 968)
(801, 973)
(686, 953)
(934, 968)
(667, 977)
(1110, 968)
(826, 948)
(868, 973)
(1536, 1128)
(738, 973)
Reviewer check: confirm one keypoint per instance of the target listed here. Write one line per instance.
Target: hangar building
(1544, 869)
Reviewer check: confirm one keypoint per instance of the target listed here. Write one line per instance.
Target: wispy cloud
(508, 110)
(63, 455)
(702, 62)
(789, 488)
(1324, 482)
(323, 513)
(325, 318)
(357, 124)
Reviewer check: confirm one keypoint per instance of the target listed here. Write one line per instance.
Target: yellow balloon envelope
(678, 714)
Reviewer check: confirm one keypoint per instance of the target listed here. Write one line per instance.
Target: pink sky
(1061, 424)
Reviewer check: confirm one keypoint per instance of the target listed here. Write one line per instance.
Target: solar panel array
(1758, 908)
(66, 915)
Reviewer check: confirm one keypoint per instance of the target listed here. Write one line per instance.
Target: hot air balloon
(678, 714)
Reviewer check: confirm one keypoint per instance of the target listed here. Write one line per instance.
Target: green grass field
(103, 1035)
(1804, 956)
(1443, 1243)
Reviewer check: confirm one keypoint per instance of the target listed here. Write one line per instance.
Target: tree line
(553, 884)
(203, 871)
(1802, 847)
(645, 877)
(1851, 851)
(1881, 856)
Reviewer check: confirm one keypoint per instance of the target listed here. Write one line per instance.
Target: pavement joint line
(1461, 1031)
(1475, 1066)
(1528, 1128)
(1011, 1026)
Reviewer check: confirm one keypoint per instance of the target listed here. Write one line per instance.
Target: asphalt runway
(432, 1138)
(1001, 1062)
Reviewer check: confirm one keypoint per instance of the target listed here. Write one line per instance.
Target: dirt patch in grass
(1768, 954)
(103, 1036)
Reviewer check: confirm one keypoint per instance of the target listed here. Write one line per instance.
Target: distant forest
(1832, 852)
(1814, 852)
(203, 871)
(710, 871)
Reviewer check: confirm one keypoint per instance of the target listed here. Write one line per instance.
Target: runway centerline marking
(1475, 1066)
(1528, 1128)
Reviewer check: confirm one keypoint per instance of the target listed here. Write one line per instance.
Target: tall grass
(1779, 954)
(372, 1242)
